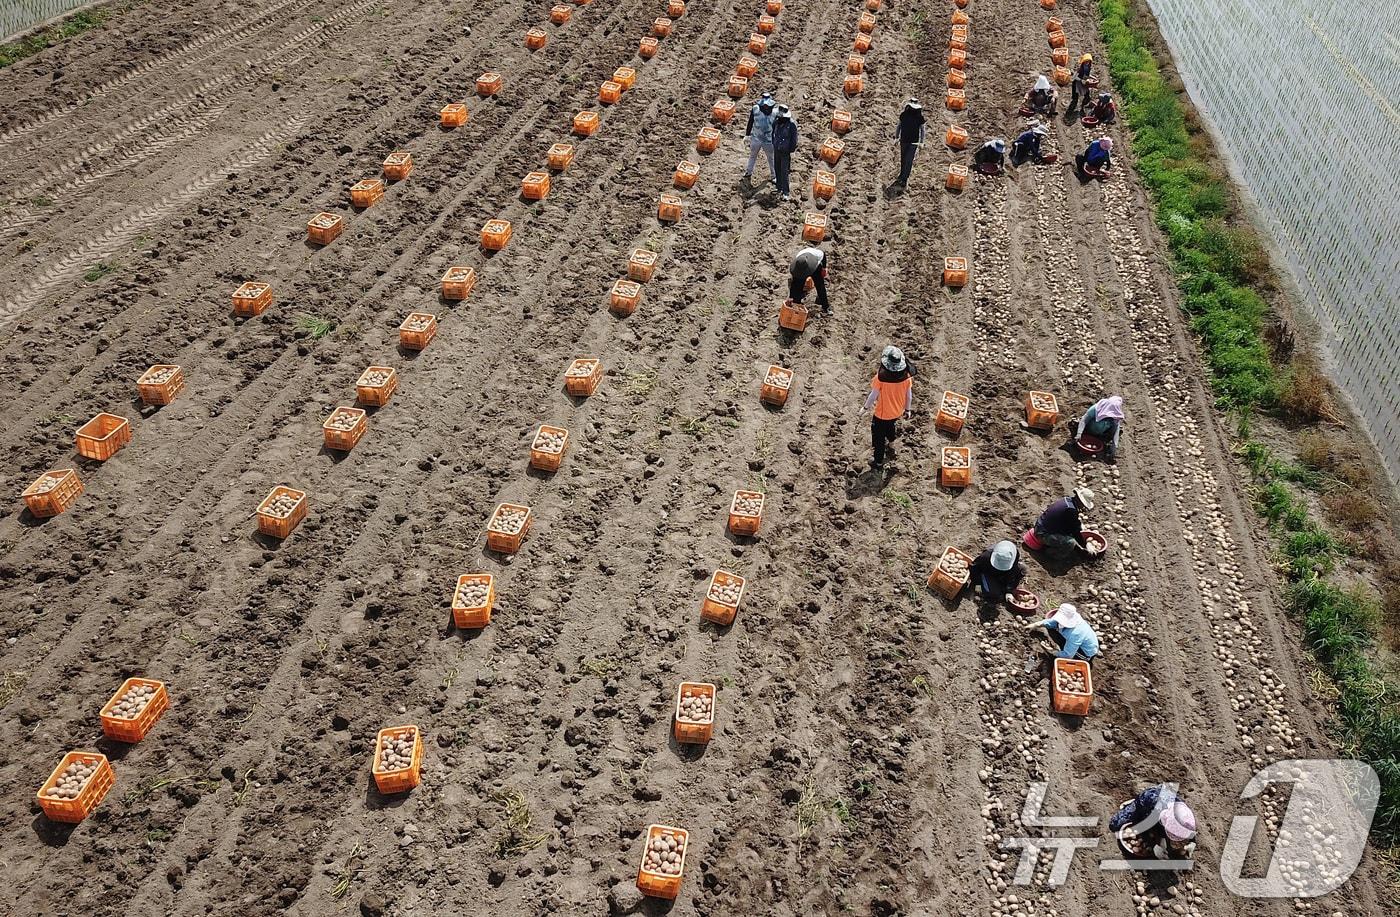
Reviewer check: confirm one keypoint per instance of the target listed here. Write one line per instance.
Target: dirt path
(864, 727)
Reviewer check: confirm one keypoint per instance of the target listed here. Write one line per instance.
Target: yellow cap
(1087, 57)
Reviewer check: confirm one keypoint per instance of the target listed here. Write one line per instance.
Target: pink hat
(1179, 822)
(1106, 143)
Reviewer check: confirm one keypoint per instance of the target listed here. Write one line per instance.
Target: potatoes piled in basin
(132, 702)
(1071, 681)
(508, 520)
(581, 369)
(418, 321)
(664, 852)
(956, 458)
(550, 440)
(955, 565)
(1094, 543)
(280, 506)
(343, 421)
(726, 590)
(473, 594)
(47, 483)
(159, 376)
(1043, 403)
(374, 378)
(71, 781)
(396, 751)
(747, 504)
(778, 377)
(696, 706)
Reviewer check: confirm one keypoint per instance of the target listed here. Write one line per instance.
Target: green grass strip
(47, 37)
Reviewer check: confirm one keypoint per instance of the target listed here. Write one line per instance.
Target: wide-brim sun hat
(1040, 130)
(892, 358)
(1084, 497)
(1003, 556)
(1067, 616)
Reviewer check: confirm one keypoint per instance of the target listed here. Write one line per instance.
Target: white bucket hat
(1003, 556)
(1084, 497)
(1067, 616)
(892, 358)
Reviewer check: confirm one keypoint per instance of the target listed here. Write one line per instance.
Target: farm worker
(1070, 635)
(997, 571)
(1095, 156)
(891, 394)
(990, 156)
(784, 143)
(1156, 824)
(1103, 421)
(809, 262)
(1058, 529)
(1042, 96)
(1080, 86)
(1027, 145)
(910, 134)
(1105, 109)
(760, 133)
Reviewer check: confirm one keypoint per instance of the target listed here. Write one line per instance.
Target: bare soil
(872, 743)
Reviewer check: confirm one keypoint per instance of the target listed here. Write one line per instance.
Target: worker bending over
(808, 264)
(1059, 529)
(997, 571)
(891, 395)
(1042, 97)
(990, 156)
(1102, 422)
(1156, 824)
(1105, 110)
(1069, 635)
(1026, 147)
(1096, 159)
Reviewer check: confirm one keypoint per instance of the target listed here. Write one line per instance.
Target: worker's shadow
(868, 483)
(1055, 565)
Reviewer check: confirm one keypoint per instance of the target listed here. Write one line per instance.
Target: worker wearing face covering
(1096, 158)
(1104, 422)
(760, 134)
(1042, 97)
(990, 156)
(1080, 86)
(910, 134)
(1026, 147)
(997, 572)
(784, 143)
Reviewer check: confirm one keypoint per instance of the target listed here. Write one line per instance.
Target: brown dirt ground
(872, 743)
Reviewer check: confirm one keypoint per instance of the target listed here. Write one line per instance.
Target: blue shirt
(1096, 155)
(1081, 637)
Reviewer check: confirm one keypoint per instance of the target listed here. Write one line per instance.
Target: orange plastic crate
(661, 27)
(582, 377)
(376, 385)
(536, 38)
(610, 92)
(866, 23)
(1059, 56)
(561, 156)
(952, 413)
(52, 492)
(488, 84)
(773, 7)
(687, 174)
(956, 100)
(458, 282)
(675, 8)
(648, 47)
(855, 64)
(1047, 4)
(662, 884)
(626, 295)
(862, 43)
(398, 165)
(792, 316)
(586, 123)
(1062, 76)
(955, 469)
(747, 67)
(547, 451)
(559, 14)
(1042, 410)
(344, 428)
(958, 40)
(722, 597)
(1053, 24)
(957, 177)
(1069, 701)
(454, 114)
(72, 811)
(1058, 40)
(853, 85)
(955, 272)
(823, 185)
(957, 59)
(159, 384)
(252, 298)
(506, 530)
(872, 5)
(641, 265)
(535, 186)
(960, 18)
(691, 732)
(323, 228)
(813, 226)
(281, 511)
(417, 330)
(366, 192)
(956, 138)
(469, 609)
(766, 24)
(134, 728)
(103, 436)
(626, 77)
(744, 516)
(669, 209)
(957, 79)
(946, 584)
(830, 150)
(400, 779)
(707, 141)
(495, 235)
(841, 120)
(737, 87)
(777, 383)
(757, 44)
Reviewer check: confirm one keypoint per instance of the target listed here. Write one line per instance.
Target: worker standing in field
(1080, 87)
(910, 134)
(784, 143)
(809, 264)
(891, 395)
(760, 134)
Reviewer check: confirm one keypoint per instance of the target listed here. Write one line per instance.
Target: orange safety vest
(891, 397)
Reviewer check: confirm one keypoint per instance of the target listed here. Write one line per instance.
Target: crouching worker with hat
(1059, 530)
(1156, 824)
(1066, 635)
(997, 571)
